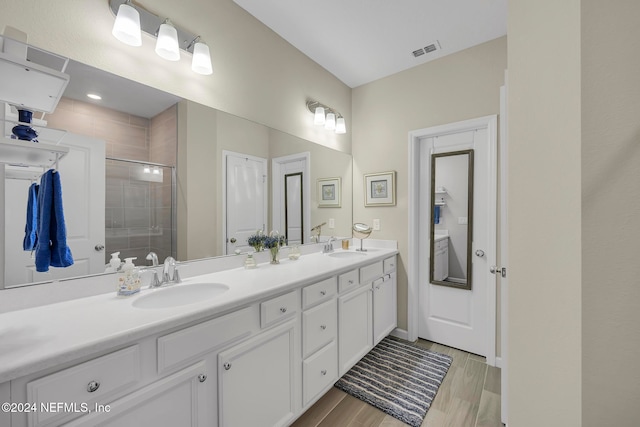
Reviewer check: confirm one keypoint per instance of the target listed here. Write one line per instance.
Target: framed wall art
(380, 189)
(329, 192)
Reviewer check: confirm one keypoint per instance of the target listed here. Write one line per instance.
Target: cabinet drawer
(321, 291)
(88, 382)
(177, 347)
(318, 372)
(319, 326)
(279, 308)
(389, 265)
(370, 272)
(348, 281)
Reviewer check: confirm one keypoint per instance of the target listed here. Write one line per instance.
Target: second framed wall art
(380, 189)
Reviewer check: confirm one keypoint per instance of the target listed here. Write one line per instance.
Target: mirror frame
(434, 157)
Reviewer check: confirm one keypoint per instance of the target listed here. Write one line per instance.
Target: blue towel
(51, 249)
(436, 215)
(30, 236)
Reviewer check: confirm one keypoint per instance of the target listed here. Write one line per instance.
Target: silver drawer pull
(351, 282)
(323, 372)
(93, 386)
(227, 366)
(283, 309)
(323, 293)
(323, 327)
(202, 377)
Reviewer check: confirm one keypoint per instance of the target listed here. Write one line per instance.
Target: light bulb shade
(341, 126)
(201, 62)
(319, 116)
(167, 44)
(127, 26)
(330, 122)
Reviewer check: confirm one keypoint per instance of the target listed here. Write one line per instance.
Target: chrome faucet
(153, 257)
(170, 271)
(328, 247)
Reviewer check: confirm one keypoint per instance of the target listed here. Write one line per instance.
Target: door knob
(480, 253)
(233, 240)
(99, 247)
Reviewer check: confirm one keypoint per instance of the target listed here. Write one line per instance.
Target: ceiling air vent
(431, 47)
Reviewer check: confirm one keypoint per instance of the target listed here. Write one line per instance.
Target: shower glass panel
(140, 210)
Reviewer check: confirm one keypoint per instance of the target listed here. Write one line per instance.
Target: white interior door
(82, 174)
(452, 316)
(290, 205)
(245, 199)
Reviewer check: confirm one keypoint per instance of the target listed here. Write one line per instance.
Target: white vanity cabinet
(181, 399)
(319, 339)
(355, 323)
(385, 301)
(258, 379)
(261, 364)
(441, 259)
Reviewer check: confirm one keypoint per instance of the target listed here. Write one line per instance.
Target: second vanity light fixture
(132, 19)
(327, 117)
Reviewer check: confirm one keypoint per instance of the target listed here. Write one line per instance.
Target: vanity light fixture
(127, 25)
(341, 126)
(132, 19)
(167, 43)
(327, 117)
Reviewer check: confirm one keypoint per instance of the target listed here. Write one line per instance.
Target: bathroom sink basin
(347, 254)
(180, 295)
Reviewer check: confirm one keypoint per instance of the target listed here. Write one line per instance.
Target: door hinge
(502, 271)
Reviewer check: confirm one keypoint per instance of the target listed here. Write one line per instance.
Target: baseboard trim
(400, 333)
(499, 362)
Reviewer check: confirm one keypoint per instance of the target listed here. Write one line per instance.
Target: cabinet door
(257, 379)
(355, 327)
(181, 399)
(384, 307)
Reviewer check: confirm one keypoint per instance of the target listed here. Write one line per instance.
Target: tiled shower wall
(138, 216)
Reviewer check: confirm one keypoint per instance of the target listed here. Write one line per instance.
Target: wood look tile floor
(468, 397)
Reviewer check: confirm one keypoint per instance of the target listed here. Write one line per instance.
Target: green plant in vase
(273, 242)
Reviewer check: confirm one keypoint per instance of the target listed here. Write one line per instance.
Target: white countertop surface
(42, 337)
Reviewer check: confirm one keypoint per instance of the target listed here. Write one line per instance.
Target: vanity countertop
(438, 237)
(41, 337)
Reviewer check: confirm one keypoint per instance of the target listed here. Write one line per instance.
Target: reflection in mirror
(452, 219)
(293, 207)
(146, 127)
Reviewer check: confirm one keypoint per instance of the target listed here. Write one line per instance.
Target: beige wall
(544, 338)
(249, 78)
(461, 86)
(610, 213)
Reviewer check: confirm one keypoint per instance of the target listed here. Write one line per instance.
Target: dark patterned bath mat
(398, 378)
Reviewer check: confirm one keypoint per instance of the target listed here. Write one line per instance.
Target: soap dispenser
(129, 279)
(114, 264)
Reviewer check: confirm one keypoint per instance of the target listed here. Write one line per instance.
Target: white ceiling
(360, 41)
(117, 93)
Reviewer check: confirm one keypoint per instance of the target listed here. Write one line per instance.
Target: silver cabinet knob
(233, 240)
(93, 386)
(323, 293)
(99, 247)
(480, 253)
(323, 372)
(283, 309)
(351, 282)
(202, 377)
(227, 366)
(323, 327)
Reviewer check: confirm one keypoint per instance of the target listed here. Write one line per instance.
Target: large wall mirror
(452, 219)
(161, 184)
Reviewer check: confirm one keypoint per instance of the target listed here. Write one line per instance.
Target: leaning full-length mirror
(451, 219)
